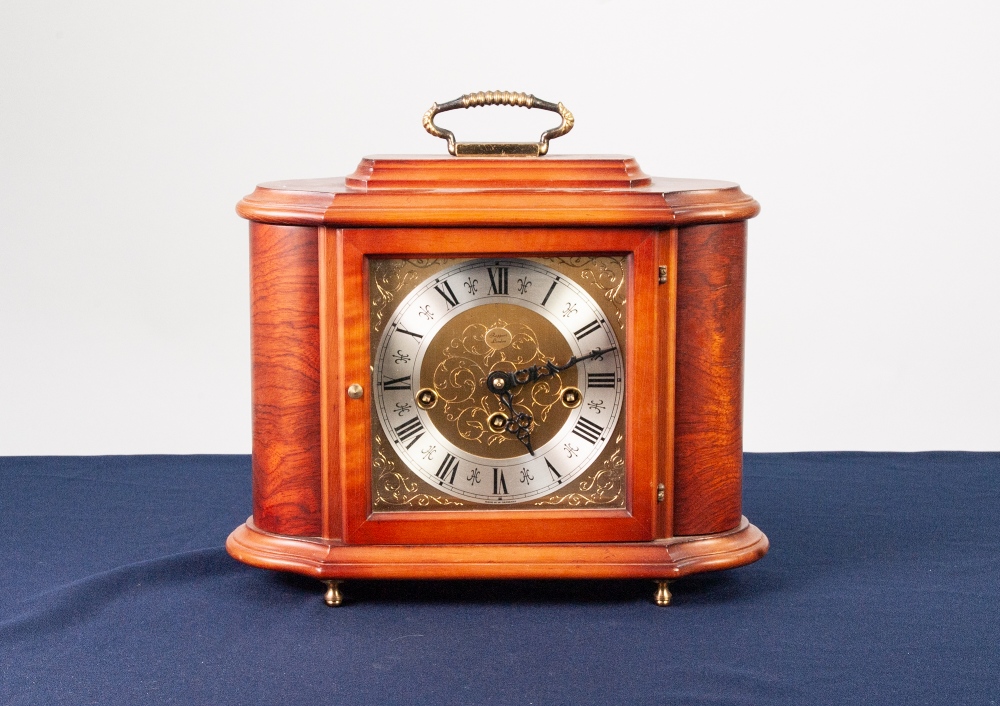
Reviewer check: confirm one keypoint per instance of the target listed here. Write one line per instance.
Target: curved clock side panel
(708, 443)
(284, 294)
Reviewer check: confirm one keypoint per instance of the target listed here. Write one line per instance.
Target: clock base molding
(664, 559)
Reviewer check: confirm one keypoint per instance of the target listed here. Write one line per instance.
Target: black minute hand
(535, 372)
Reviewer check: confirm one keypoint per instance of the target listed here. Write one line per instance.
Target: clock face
(498, 382)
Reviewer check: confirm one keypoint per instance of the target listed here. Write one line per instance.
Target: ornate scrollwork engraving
(455, 363)
(390, 281)
(604, 275)
(394, 489)
(600, 486)
(469, 354)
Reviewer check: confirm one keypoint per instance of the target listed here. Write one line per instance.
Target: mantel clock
(497, 364)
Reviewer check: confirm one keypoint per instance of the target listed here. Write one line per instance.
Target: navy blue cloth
(880, 588)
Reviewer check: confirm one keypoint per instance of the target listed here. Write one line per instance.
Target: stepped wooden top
(587, 190)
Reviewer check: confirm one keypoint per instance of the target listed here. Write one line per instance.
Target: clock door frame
(345, 360)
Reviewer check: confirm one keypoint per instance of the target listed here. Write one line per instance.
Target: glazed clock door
(505, 392)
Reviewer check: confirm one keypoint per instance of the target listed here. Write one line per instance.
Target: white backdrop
(869, 132)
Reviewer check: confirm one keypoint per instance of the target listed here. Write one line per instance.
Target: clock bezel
(346, 358)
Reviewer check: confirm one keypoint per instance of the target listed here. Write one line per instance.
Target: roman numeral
(449, 295)
(587, 430)
(408, 333)
(397, 384)
(448, 466)
(600, 379)
(553, 472)
(412, 428)
(499, 484)
(549, 293)
(587, 330)
(498, 280)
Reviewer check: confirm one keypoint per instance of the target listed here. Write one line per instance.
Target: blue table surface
(881, 586)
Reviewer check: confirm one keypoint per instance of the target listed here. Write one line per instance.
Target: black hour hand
(518, 423)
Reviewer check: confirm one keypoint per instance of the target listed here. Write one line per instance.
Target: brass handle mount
(484, 98)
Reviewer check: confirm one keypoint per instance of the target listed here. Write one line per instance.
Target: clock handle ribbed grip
(484, 98)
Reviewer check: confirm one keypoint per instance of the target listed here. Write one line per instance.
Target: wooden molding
(402, 192)
(662, 559)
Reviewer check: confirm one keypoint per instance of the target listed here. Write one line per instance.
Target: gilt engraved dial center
(460, 358)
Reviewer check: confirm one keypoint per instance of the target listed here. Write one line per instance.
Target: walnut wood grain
(284, 301)
(708, 443)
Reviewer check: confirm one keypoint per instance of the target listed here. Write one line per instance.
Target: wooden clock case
(686, 242)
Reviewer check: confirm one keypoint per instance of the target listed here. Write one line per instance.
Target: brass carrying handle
(521, 100)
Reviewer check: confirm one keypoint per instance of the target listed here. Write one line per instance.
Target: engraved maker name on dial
(493, 316)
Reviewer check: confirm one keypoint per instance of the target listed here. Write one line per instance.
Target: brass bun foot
(333, 596)
(663, 593)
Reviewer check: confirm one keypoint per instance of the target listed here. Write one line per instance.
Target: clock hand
(534, 373)
(503, 384)
(519, 423)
